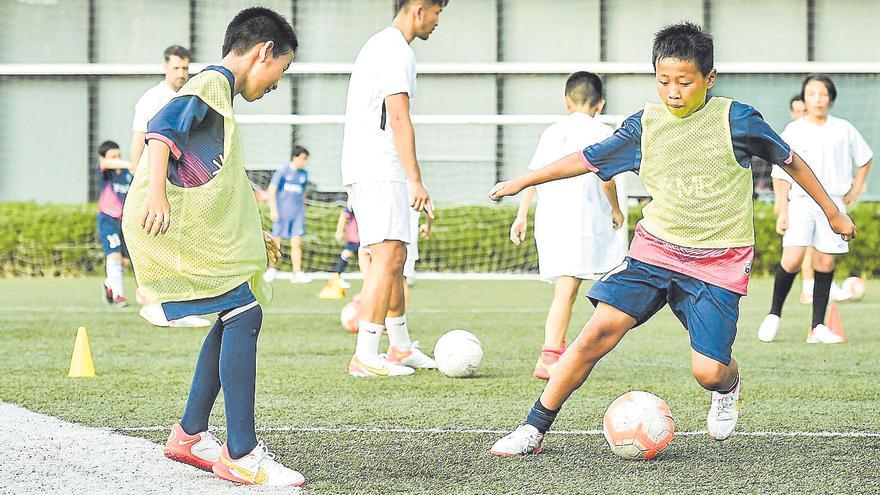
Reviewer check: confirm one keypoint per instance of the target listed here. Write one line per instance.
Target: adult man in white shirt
(382, 177)
(176, 73)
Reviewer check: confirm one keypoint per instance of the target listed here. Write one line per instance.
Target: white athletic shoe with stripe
(524, 440)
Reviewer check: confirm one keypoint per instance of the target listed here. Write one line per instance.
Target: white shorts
(807, 226)
(382, 211)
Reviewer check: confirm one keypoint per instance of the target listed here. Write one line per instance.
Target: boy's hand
(157, 214)
(781, 224)
(505, 188)
(851, 196)
(273, 215)
(617, 219)
(272, 250)
(425, 231)
(339, 236)
(518, 230)
(419, 199)
(843, 225)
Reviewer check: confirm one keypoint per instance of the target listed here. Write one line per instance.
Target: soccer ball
(458, 353)
(638, 425)
(855, 287)
(349, 317)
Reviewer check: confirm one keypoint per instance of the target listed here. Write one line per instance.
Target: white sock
(369, 334)
(114, 276)
(808, 286)
(398, 333)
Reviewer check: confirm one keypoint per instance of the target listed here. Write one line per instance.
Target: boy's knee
(710, 376)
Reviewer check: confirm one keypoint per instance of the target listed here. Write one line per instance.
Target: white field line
(269, 310)
(478, 431)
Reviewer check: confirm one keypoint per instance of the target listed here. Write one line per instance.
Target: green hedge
(60, 240)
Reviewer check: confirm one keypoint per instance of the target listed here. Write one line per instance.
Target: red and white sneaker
(412, 357)
(108, 292)
(380, 368)
(119, 302)
(257, 468)
(547, 361)
(201, 450)
(524, 440)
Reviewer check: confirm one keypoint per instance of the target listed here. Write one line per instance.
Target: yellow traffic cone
(81, 365)
(332, 290)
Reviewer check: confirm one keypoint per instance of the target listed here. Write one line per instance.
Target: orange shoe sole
(183, 457)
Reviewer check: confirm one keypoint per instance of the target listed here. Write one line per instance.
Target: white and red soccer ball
(349, 316)
(855, 287)
(638, 425)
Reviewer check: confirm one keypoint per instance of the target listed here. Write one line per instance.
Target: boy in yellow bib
(198, 246)
(694, 247)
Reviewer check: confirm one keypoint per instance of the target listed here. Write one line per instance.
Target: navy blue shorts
(352, 246)
(708, 312)
(287, 227)
(110, 235)
(236, 298)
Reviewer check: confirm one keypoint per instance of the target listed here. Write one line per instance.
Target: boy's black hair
(584, 88)
(298, 150)
(255, 25)
(685, 41)
(403, 3)
(797, 97)
(822, 78)
(107, 146)
(177, 51)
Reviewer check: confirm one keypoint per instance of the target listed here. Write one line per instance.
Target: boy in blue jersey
(198, 247)
(115, 179)
(693, 248)
(287, 210)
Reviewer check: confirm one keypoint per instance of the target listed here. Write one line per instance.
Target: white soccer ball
(638, 425)
(349, 317)
(855, 287)
(458, 353)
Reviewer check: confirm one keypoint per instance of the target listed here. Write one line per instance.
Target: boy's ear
(600, 105)
(711, 78)
(266, 51)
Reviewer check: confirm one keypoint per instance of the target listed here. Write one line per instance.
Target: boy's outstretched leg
(243, 459)
(723, 380)
(190, 441)
(558, 318)
(601, 334)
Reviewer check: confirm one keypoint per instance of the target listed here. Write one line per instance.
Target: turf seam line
(285, 429)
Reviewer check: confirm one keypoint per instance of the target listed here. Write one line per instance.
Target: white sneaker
(524, 440)
(838, 294)
(723, 414)
(412, 357)
(382, 368)
(269, 275)
(769, 327)
(300, 278)
(343, 283)
(257, 468)
(823, 335)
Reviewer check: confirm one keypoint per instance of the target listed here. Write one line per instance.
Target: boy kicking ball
(576, 218)
(694, 247)
(199, 247)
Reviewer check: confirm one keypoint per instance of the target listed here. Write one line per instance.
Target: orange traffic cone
(834, 323)
(81, 365)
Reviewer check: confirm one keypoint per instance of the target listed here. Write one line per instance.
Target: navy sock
(730, 388)
(540, 417)
(821, 294)
(341, 264)
(205, 384)
(238, 371)
(781, 288)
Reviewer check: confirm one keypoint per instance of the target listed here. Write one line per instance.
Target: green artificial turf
(788, 386)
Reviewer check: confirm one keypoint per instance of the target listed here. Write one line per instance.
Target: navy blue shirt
(290, 187)
(195, 133)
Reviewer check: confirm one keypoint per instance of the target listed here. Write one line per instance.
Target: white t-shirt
(830, 149)
(149, 104)
(386, 65)
(573, 225)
